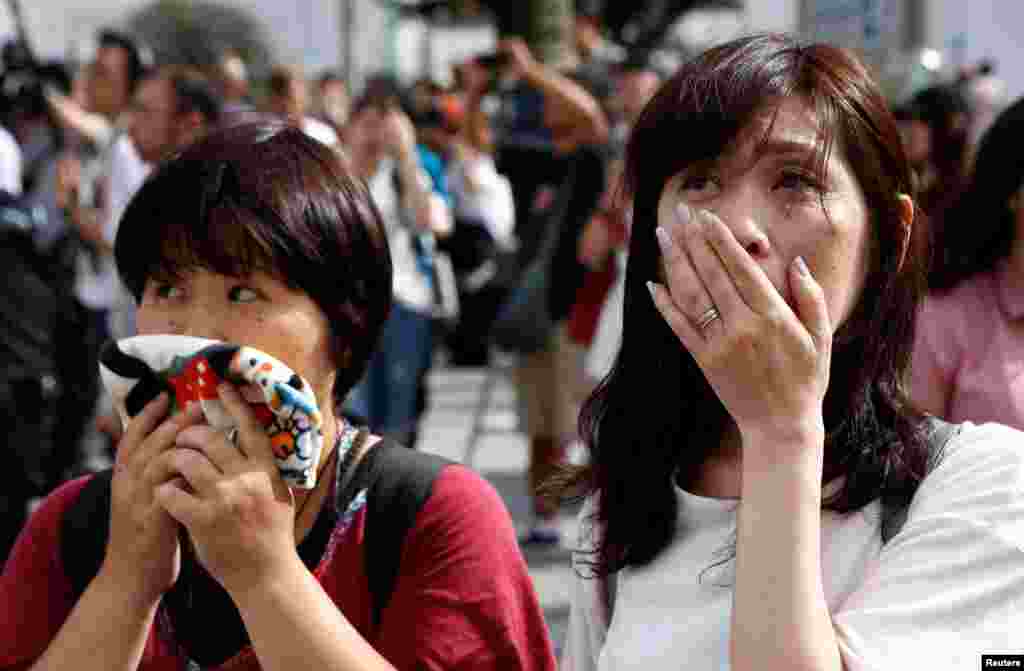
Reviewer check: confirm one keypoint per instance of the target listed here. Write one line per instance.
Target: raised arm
(567, 105)
(780, 619)
(430, 211)
(72, 116)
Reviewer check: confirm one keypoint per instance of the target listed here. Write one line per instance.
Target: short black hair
(193, 93)
(139, 63)
(266, 197)
(281, 76)
(983, 225)
(330, 76)
(641, 60)
(589, 9)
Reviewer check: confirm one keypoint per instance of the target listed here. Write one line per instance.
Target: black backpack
(397, 480)
(893, 517)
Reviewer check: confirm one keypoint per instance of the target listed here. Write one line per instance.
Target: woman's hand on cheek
(238, 511)
(767, 362)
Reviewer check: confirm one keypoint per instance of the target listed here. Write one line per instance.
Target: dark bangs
(266, 197)
(180, 237)
(708, 105)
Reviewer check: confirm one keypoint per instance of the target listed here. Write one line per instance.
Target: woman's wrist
(248, 587)
(134, 593)
(792, 453)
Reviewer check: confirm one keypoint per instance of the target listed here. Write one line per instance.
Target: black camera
(23, 83)
(493, 60)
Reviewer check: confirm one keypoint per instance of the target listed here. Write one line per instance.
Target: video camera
(24, 82)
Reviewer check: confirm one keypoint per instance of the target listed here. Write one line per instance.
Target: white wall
(55, 27)
(308, 33)
(981, 29)
(773, 15)
(447, 46)
(302, 32)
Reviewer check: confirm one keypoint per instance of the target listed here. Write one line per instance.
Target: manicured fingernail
(801, 266)
(684, 213)
(663, 238)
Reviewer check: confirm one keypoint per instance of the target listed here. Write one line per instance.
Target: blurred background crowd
(490, 137)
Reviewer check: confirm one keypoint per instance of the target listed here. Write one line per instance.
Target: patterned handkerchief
(135, 370)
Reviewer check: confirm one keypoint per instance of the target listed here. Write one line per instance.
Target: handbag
(524, 324)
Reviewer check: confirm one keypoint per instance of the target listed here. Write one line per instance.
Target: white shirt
(410, 285)
(480, 192)
(945, 590)
(319, 131)
(124, 172)
(10, 163)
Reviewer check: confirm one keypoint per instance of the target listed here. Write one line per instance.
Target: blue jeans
(386, 397)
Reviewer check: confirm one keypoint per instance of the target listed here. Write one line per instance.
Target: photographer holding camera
(94, 191)
(47, 379)
(549, 130)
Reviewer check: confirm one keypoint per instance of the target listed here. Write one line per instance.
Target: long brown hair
(654, 415)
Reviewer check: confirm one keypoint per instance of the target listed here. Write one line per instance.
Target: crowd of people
(779, 316)
(512, 164)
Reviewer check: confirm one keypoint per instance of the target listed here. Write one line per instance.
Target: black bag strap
(894, 515)
(608, 585)
(84, 531)
(397, 481)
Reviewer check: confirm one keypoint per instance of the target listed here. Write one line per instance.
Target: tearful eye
(166, 290)
(795, 180)
(241, 294)
(697, 185)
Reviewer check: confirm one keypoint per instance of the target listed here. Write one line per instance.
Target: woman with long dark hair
(969, 355)
(761, 493)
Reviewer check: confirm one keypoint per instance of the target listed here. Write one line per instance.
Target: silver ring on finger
(233, 437)
(707, 318)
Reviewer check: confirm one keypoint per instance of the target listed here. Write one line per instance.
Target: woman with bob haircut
(754, 435)
(259, 235)
(970, 341)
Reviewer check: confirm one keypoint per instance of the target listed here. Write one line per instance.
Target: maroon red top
(463, 598)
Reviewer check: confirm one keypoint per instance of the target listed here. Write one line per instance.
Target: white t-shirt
(10, 164)
(479, 191)
(97, 283)
(319, 131)
(945, 590)
(410, 285)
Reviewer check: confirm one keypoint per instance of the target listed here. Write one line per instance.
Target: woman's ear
(907, 222)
